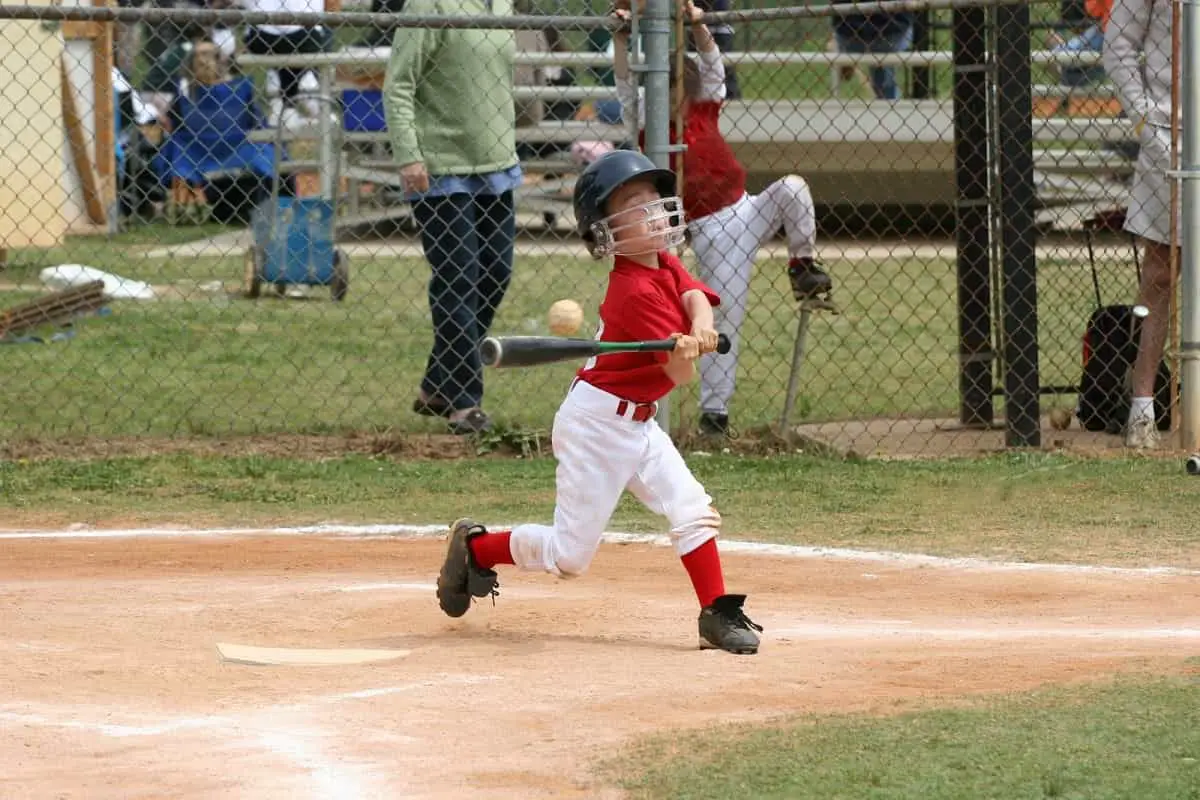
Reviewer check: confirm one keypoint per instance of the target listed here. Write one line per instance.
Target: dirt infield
(113, 686)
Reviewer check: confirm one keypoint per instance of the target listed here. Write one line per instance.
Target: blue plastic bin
(294, 236)
(362, 110)
(301, 248)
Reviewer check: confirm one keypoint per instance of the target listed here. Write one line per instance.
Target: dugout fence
(962, 223)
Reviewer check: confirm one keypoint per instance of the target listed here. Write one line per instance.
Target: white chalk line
(392, 531)
(113, 730)
(900, 629)
(522, 591)
(381, 587)
(56, 717)
(331, 778)
(274, 728)
(83, 532)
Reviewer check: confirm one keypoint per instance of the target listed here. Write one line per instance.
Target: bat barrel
(491, 351)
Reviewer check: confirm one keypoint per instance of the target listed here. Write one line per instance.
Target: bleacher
(896, 154)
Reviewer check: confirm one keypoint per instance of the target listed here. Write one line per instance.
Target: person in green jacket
(449, 105)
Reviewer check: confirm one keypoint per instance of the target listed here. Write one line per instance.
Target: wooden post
(105, 111)
(97, 210)
(95, 160)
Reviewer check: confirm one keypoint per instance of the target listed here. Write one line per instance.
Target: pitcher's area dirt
(112, 686)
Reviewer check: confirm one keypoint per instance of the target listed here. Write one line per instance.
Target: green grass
(1125, 740)
(213, 364)
(1038, 507)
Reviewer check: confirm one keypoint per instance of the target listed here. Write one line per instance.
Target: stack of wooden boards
(53, 308)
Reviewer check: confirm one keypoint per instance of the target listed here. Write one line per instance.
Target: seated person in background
(1090, 40)
(288, 86)
(876, 33)
(209, 122)
(139, 134)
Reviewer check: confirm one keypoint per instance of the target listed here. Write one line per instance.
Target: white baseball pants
(726, 244)
(599, 456)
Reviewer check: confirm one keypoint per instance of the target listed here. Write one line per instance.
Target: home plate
(272, 656)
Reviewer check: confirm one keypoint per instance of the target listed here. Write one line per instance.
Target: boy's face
(637, 219)
(206, 64)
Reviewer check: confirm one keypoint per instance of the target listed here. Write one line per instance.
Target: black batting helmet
(604, 176)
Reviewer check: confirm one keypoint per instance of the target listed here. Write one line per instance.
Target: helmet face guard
(663, 218)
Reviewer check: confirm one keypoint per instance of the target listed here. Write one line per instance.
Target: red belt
(642, 412)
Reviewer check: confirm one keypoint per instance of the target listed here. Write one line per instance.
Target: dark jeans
(468, 242)
(263, 43)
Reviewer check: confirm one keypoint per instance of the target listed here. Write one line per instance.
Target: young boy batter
(727, 224)
(605, 436)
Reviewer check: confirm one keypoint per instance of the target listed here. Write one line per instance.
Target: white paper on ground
(67, 276)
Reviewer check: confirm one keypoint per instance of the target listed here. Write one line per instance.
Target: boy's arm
(699, 310)
(681, 366)
(632, 113)
(712, 69)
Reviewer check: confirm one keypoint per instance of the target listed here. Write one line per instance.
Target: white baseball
(565, 318)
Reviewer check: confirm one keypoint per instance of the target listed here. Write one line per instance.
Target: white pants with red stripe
(726, 244)
(600, 455)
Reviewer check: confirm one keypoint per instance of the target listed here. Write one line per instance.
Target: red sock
(703, 566)
(491, 549)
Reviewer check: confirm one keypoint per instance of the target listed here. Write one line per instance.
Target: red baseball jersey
(641, 303)
(713, 178)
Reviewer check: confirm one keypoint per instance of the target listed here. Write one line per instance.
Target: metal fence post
(1189, 232)
(655, 29)
(921, 78)
(972, 169)
(1018, 196)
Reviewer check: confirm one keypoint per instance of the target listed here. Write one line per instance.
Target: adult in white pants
(1137, 57)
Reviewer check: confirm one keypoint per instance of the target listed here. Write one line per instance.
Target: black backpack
(1110, 346)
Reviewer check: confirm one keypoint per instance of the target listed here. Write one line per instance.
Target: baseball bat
(530, 351)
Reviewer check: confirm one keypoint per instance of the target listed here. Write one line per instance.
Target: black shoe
(714, 424)
(475, 421)
(724, 626)
(461, 578)
(433, 407)
(808, 279)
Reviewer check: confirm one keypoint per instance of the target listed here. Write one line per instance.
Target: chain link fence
(305, 218)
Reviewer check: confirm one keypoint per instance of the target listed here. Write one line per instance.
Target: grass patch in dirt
(1025, 507)
(1123, 740)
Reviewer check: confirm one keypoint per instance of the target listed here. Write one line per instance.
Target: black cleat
(809, 280)
(724, 626)
(461, 578)
(714, 424)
